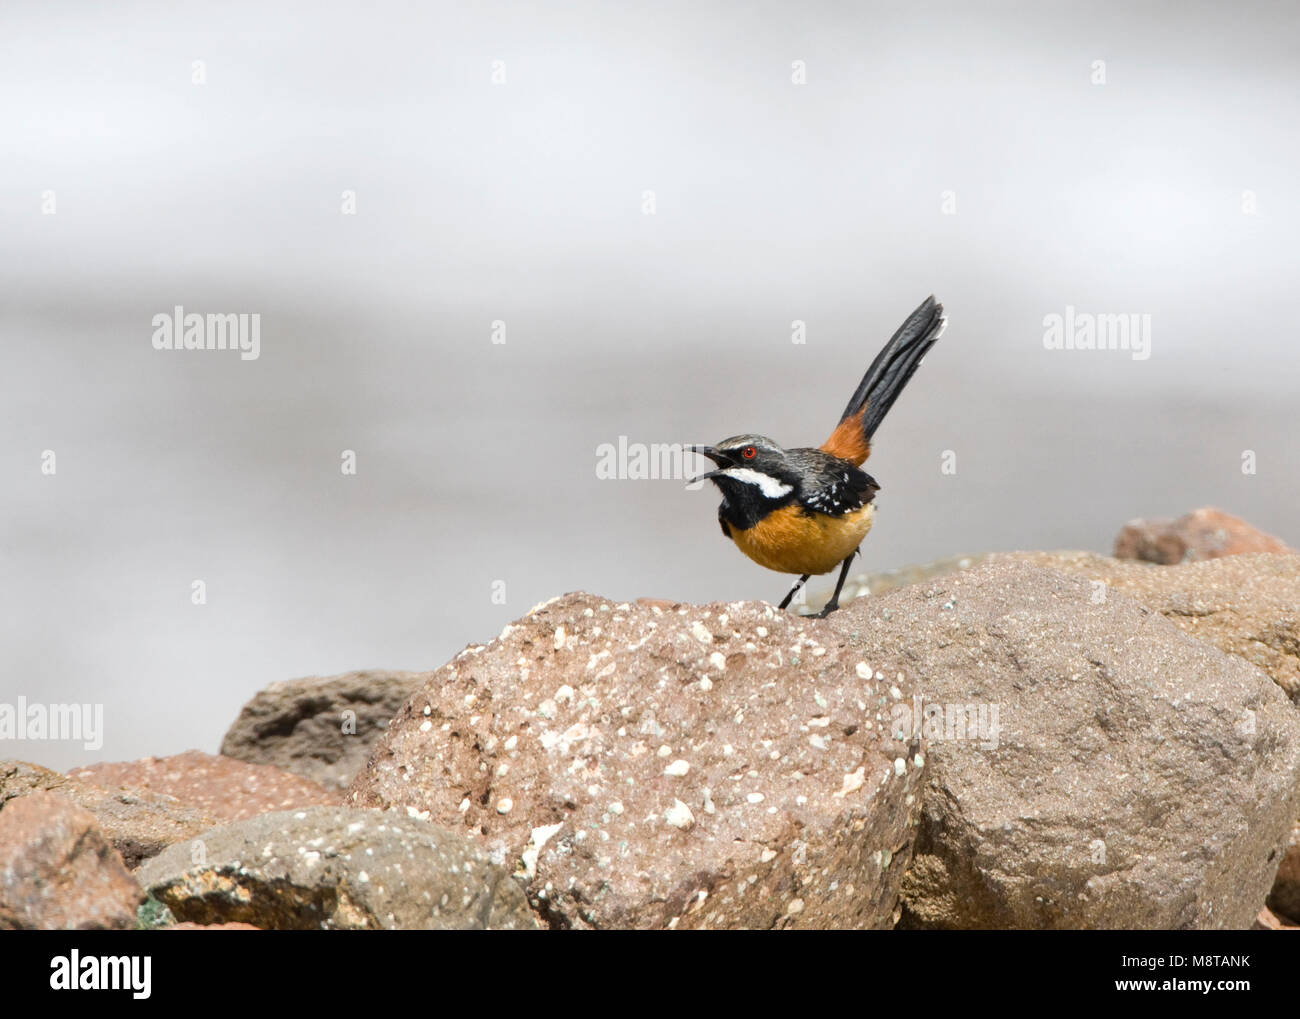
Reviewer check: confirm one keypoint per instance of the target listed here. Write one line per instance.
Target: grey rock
(878, 582)
(1138, 778)
(321, 728)
(1247, 605)
(335, 868)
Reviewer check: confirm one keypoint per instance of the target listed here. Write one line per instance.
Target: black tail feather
(895, 365)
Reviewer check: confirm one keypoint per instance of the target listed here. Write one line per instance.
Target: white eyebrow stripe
(767, 484)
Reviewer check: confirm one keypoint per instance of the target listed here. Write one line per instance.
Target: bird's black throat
(743, 505)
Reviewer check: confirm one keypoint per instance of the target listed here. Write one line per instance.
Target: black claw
(834, 603)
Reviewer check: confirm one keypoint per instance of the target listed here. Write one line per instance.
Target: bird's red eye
(749, 452)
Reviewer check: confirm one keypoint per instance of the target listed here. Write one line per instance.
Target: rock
(1206, 533)
(1132, 777)
(1267, 921)
(212, 927)
(1247, 605)
(138, 824)
(336, 868)
(648, 766)
(221, 787)
(861, 585)
(1285, 897)
(57, 870)
(320, 728)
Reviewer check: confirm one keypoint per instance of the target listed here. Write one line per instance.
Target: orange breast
(789, 540)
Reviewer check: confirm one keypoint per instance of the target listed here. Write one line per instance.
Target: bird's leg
(786, 600)
(834, 603)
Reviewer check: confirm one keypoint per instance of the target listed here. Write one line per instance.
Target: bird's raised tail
(884, 381)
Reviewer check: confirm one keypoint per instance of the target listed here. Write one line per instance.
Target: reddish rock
(652, 766)
(1205, 533)
(1267, 920)
(138, 824)
(221, 787)
(1285, 897)
(57, 870)
(212, 927)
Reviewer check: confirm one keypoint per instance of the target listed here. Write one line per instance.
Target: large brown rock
(1206, 533)
(1246, 605)
(1135, 777)
(336, 868)
(659, 765)
(878, 582)
(137, 823)
(321, 728)
(221, 787)
(57, 870)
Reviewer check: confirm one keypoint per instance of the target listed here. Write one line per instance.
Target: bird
(806, 510)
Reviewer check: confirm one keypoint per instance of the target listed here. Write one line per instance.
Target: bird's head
(750, 467)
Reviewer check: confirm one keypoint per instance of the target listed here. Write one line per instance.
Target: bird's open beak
(723, 460)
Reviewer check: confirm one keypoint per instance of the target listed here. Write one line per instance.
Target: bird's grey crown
(741, 441)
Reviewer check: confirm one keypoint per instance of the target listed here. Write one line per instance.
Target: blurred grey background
(522, 201)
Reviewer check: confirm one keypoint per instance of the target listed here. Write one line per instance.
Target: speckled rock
(137, 823)
(336, 868)
(321, 728)
(658, 765)
(1285, 897)
(57, 870)
(1206, 533)
(220, 787)
(1125, 775)
(1246, 605)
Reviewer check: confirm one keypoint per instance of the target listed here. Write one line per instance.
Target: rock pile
(1038, 740)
